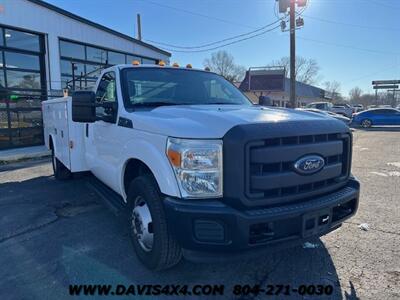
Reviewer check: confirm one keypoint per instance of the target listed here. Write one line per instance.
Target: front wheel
(151, 239)
(366, 123)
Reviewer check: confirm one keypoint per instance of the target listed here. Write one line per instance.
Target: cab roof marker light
(135, 62)
(175, 65)
(207, 69)
(161, 63)
(189, 66)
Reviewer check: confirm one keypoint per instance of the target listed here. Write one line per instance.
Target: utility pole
(284, 6)
(139, 27)
(292, 54)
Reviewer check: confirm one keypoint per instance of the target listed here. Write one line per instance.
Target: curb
(6, 158)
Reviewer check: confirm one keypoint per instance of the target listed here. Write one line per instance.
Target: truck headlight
(197, 165)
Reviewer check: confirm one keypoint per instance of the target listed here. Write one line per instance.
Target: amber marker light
(174, 157)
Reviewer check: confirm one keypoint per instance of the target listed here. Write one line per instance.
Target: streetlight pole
(292, 54)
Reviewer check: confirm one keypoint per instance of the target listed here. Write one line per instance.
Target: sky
(353, 41)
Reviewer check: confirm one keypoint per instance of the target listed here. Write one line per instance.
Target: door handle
(87, 130)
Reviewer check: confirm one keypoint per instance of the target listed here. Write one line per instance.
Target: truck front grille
(270, 174)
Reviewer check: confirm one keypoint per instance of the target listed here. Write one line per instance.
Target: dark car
(377, 116)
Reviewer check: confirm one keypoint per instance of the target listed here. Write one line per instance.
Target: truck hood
(213, 121)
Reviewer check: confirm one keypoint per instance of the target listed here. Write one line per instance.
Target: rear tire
(60, 171)
(366, 123)
(153, 243)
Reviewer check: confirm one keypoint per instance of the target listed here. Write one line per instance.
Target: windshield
(157, 86)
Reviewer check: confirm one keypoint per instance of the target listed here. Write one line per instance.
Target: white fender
(150, 149)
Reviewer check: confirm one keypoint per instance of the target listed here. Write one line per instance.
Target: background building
(277, 87)
(41, 47)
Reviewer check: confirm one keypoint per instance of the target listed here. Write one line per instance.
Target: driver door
(103, 133)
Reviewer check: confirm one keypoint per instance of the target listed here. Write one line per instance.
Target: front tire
(153, 243)
(60, 171)
(366, 123)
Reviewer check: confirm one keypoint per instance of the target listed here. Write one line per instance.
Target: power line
(215, 42)
(389, 67)
(351, 25)
(348, 46)
(224, 45)
(383, 4)
(195, 13)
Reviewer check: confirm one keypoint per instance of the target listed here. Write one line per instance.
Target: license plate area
(316, 222)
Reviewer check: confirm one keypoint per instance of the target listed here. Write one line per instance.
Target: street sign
(385, 82)
(393, 86)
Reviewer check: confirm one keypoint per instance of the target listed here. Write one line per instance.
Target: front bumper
(211, 226)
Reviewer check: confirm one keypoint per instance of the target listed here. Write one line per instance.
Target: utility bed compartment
(67, 135)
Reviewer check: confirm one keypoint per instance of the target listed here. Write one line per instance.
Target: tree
(306, 71)
(223, 63)
(355, 95)
(333, 90)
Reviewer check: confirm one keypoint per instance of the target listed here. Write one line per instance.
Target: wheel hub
(142, 224)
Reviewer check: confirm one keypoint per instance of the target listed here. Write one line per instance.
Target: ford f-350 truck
(199, 170)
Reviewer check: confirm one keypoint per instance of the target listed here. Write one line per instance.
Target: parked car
(343, 109)
(358, 107)
(320, 105)
(342, 118)
(377, 116)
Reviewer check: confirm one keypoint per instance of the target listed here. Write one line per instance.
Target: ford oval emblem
(309, 164)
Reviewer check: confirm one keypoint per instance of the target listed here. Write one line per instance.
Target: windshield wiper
(220, 103)
(158, 103)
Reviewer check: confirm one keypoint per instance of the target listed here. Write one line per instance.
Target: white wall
(27, 15)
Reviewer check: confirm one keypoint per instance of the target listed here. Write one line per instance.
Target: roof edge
(96, 25)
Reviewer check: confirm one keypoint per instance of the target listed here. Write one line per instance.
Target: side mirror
(84, 107)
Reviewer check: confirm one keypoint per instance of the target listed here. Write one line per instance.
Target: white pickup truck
(198, 169)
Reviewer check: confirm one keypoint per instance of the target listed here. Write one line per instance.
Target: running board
(111, 199)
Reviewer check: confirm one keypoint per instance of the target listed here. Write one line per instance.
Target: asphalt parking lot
(55, 233)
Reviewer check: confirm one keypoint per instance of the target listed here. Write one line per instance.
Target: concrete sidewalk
(23, 153)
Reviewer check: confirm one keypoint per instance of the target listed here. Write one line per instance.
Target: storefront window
(22, 40)
(4, 139)
(23, 80)
(66, 68)
(27, 136)
(148, 61)
(72, 50)
(94, 71)
(3, 120)
(21, 88)
(22, 61)
(24, 99)
(1, 79)
(131, 58)
(26, 119)
(96, 54)
(115, 58)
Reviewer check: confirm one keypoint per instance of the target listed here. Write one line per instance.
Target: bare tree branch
(223, 63)
(306, 71)
(333, 90)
